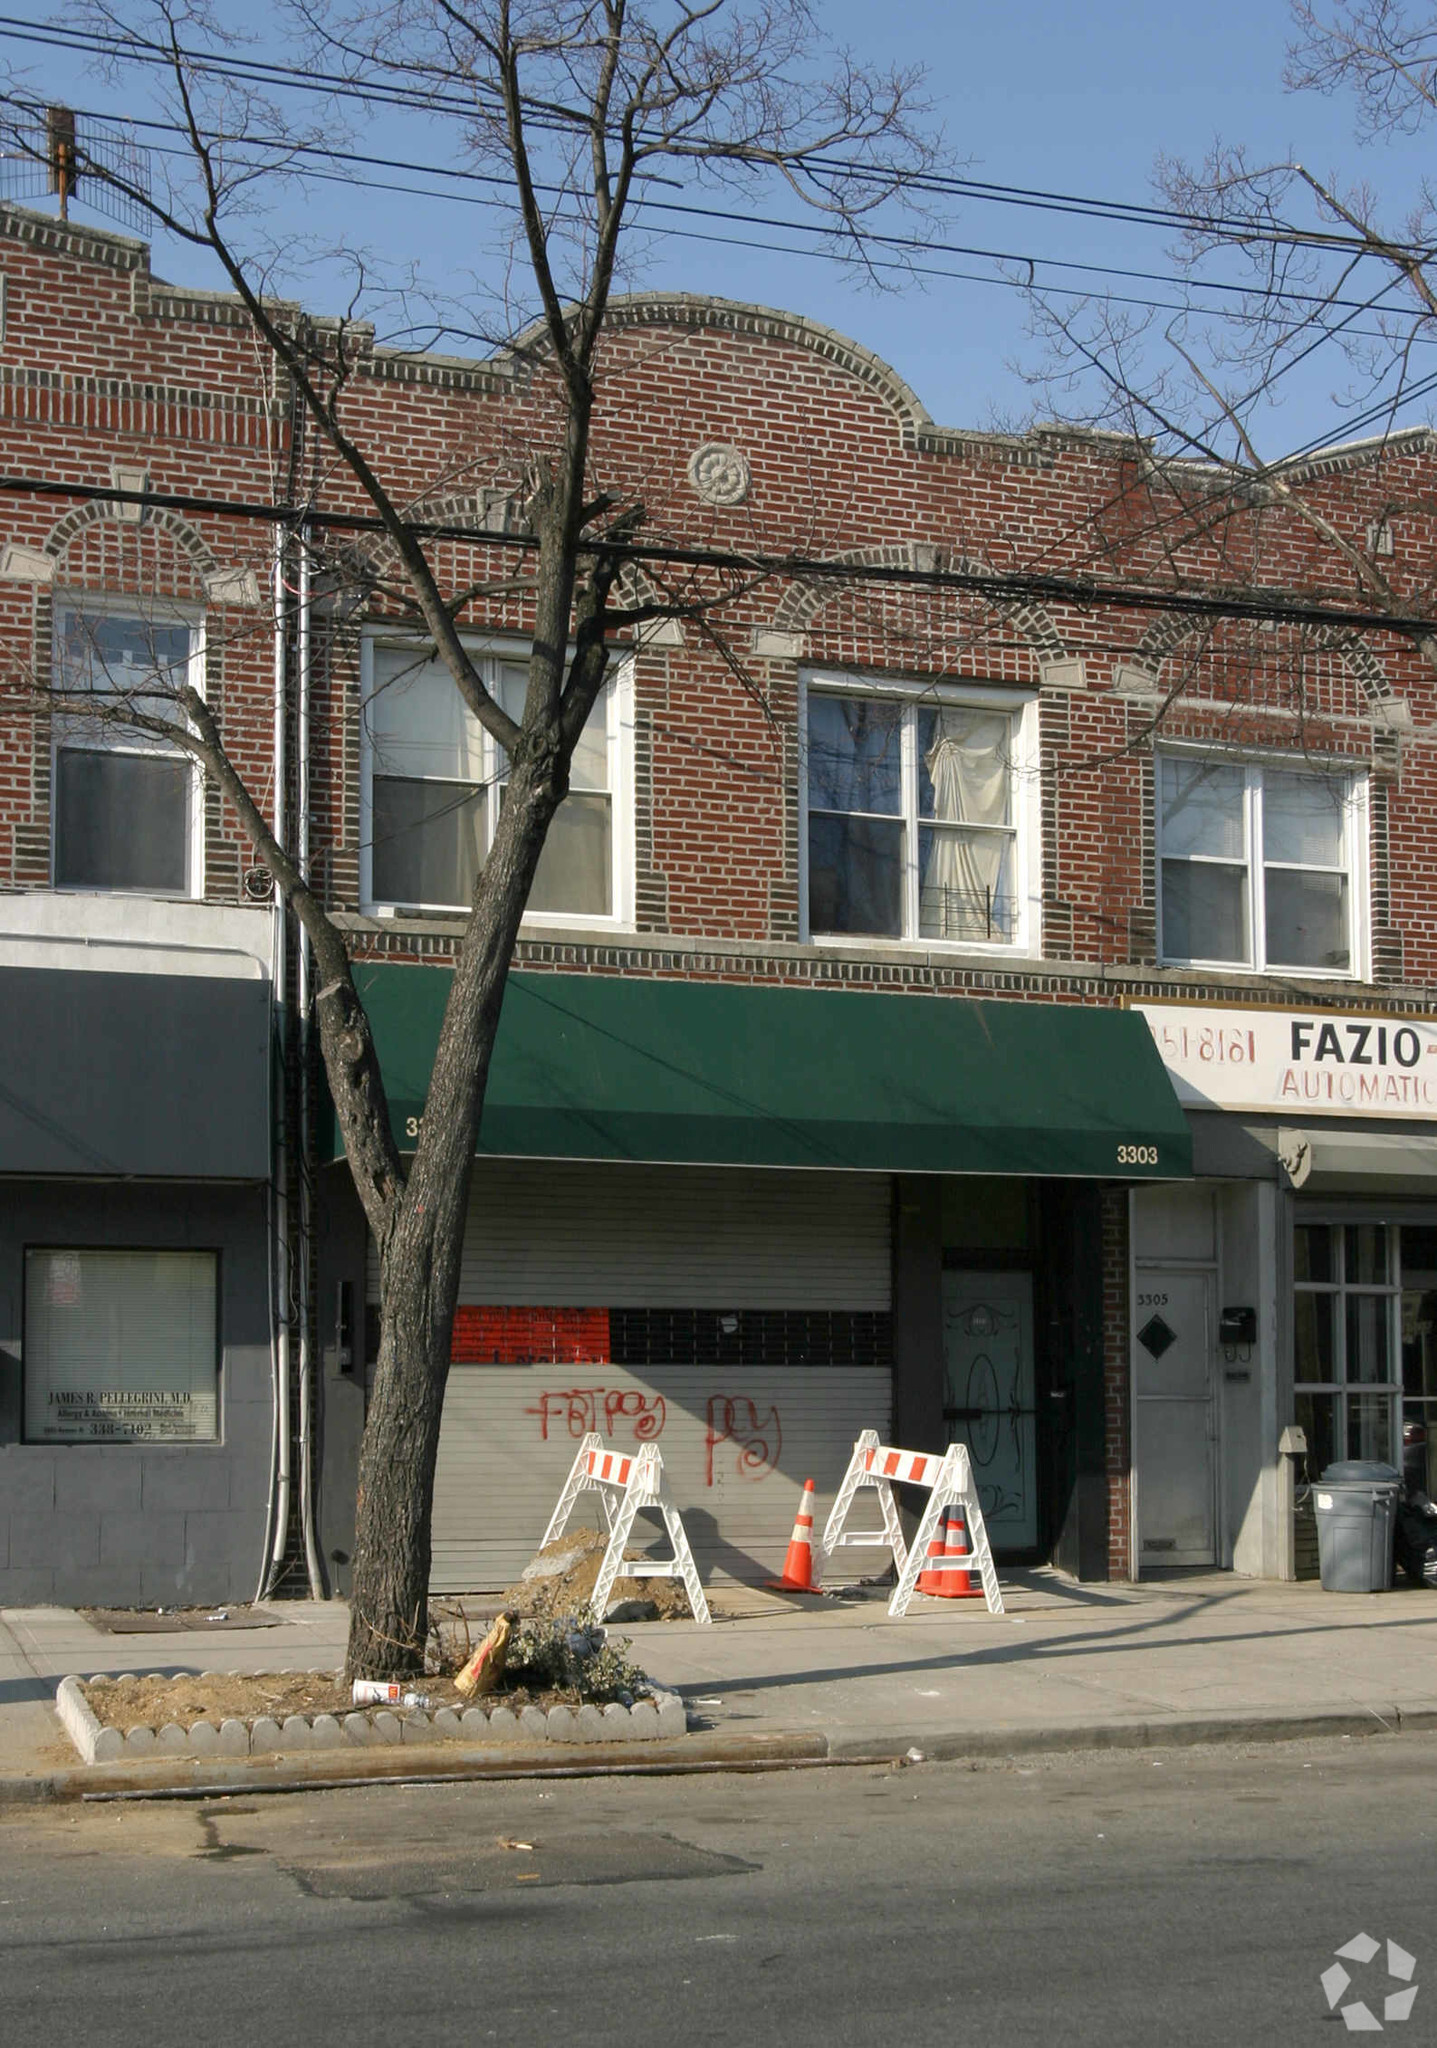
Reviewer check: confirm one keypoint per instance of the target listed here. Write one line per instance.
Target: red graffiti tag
(578, 1409)
(647, 1413)
(735, 1420)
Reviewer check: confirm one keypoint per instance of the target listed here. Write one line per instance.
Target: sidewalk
(1202, 1658)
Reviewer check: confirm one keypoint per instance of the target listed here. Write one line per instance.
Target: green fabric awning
(707, 1073)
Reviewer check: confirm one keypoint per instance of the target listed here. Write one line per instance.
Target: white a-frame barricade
(949, 1479)
(624, 1485)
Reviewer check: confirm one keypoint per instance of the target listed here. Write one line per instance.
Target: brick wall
(101, 366)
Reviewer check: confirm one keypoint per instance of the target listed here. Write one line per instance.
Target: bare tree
(576, 103)
(1285, 278)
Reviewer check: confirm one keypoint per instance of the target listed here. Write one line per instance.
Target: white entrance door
(1173, 1417)
(988, 1397)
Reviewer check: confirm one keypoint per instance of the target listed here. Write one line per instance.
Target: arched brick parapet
(915, 427)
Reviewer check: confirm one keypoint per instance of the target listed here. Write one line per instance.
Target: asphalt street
(1175, 1896)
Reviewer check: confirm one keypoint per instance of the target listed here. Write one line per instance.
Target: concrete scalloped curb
(660, 1717)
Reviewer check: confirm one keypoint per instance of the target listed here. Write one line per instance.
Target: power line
(813, 230)
(1083, 593)
(431, 101)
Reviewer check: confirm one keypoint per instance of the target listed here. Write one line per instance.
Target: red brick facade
(103, 370)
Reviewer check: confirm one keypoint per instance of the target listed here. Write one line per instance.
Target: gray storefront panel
(142, 1523)
(152, 1075)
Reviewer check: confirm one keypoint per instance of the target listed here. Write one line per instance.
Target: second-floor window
(1259, 865)
(125, 808)
(916, 816)
(436, 787)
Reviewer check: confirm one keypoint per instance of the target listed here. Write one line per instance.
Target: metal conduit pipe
(305, 1245)
(279, 1525)
(271, 1226)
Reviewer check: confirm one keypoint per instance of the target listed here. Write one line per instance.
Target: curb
(693, 1754)
(1189, 1731)
(220, 1777)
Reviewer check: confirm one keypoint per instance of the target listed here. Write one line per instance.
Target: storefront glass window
(1369, 1326)
(1419, 1355)
(121, 1346)
(1369, 1427)
(1366, 1252)
(1317, 1419)
(1345, 1332)
(1312, 1252)
(1316, 1354)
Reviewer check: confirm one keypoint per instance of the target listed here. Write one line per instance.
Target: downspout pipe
(281, 1471)
(305, 1245)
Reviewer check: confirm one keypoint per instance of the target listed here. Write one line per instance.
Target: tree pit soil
(561, 1580)
(156, 1701)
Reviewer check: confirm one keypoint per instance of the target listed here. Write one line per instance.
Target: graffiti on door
(757, 1441)
(989, 1394)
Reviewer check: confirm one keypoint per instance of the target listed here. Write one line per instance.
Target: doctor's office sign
(1305, 1062)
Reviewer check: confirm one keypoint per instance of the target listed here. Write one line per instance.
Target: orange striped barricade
(624, 1484)
(949, 1479)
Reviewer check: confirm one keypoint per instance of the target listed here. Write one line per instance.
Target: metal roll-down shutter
(739, 1318)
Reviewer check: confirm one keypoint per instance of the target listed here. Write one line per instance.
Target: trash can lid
(1362, 1468)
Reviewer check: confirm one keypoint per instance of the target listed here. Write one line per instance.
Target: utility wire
(433, 101)
(812, 230)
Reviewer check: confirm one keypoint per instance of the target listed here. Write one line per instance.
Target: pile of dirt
(157, 1700)
(561, 1580)
(154, 1701)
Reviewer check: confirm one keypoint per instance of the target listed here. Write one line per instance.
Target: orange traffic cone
(798, 1565)
(956, 1585)
(930, 1579)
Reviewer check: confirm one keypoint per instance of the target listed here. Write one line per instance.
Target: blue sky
(1045, 95)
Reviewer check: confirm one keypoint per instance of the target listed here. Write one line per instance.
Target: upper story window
(126, 812)
(1260, 866)
(920, 814)
(435, 786)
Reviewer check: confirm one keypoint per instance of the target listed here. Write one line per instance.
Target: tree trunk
(423, 1236)
(419, 1255)
(389, 1599)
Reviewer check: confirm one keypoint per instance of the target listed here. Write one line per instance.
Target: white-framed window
(121, 1346)
(920, 812)
(433, 785)
(1261, 865)
(126, 808)
(1348, 1336)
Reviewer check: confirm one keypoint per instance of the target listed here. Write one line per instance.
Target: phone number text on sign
(1297, 1062)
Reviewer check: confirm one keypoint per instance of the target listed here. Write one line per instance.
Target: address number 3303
(1137, 1155)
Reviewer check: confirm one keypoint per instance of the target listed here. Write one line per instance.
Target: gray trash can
(1356, 1505)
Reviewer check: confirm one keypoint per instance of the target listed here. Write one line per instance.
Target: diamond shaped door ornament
(1156, 1337)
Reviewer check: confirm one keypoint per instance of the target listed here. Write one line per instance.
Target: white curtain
(965, 888)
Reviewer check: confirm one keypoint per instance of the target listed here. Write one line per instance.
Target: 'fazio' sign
(1297, 1061)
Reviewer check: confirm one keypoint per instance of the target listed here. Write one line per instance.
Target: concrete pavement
(1180, 1660)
